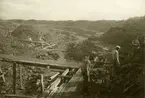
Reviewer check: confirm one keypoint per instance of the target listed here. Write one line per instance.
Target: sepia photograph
(72, 48)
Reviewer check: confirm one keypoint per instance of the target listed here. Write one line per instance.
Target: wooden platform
(71, 89)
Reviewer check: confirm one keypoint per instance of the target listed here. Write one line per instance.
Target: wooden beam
(53, 91)
(65, 72)
(16, 96)
(36, 62)
(14, 78)
(67, 76)
(136, 90)
(42, 84)
(54, 76)
(56, 70)
(20, 74)
(47, 75)
(130, 86)
(58, 80)
(54, 84)
(2, 75)
(76, 79)
(66, 89)
(57, 93)
(71, 87)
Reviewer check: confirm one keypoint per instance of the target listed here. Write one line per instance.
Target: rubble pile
(47, 56)
(32, 85)
(98, 74)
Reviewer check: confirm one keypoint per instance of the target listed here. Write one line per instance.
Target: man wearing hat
(116, 62)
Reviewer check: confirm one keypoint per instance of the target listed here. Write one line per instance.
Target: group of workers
(91, 61)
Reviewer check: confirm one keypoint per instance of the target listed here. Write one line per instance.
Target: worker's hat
(118, 46)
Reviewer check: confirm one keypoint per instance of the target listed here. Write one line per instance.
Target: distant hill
(116, 32)
(100, 25)
(132, 28)
(7, 27)
(25, 31)
(50, 29)
(81, 28)
(43, 32)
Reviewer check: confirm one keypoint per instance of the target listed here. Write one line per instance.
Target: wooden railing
(38, 63)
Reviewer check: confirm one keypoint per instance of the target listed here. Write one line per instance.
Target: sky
(71, 9)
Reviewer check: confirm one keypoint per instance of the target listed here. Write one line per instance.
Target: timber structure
(65, 80)
(56, 74)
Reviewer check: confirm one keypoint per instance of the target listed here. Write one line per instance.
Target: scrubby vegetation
(124, 35)
(14, 32)
(129, 81)
(78, 51)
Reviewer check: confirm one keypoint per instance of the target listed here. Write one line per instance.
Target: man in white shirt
(116, 62)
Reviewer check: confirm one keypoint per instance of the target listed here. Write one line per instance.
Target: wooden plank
(136, 90)
(58, 80)
(20, 74)
(49, 74)
(66, 89)
(54, 76)
(53, 91)
(67, 76)
(56, 70)
(71, 86)
(42, 84)
(61, 87)
(54, 84)
(35, 62)
(58, 92)
(74, 82)
(65, 72)
(2, 75)
(14, 78)
(17, 96)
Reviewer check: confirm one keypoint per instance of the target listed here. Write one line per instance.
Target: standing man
(116, 62)
(85, 68)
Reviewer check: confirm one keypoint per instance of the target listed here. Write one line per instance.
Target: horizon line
(74, 20)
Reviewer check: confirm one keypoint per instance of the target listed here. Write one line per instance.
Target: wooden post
(2, 75)
(14, 78)
(20, 74)
(3, 78)
(42, 84)
(48, 68)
